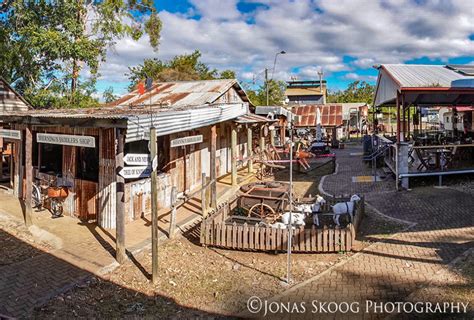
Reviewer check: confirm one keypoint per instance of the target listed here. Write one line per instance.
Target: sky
(343, 38)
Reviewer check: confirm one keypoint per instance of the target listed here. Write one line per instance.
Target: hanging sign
(66, 140)
(10, 134)
(135, 172)
(137, 159)
(186, 141)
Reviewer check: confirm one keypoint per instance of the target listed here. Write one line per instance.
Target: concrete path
(388, 271)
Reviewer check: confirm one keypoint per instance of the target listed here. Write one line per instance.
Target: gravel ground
(451, 285)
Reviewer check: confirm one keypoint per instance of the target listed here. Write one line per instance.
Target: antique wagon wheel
(262, 210)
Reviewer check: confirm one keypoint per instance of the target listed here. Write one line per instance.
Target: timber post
(213, 167)
(154, 206)
(28, 176)
(249, 150)
(172, 230)
(203, 194)
(272, 137)
(120, 254)
(262, 140)
(233, 152)
(1, 157)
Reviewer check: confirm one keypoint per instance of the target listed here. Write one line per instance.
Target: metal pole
(266, 84)
(154, 206)
(290, 227)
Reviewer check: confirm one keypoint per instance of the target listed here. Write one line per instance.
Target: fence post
(203, 195)
(173, 213)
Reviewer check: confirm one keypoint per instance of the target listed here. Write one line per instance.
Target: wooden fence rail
(216, 232)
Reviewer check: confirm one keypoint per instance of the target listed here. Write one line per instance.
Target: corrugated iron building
(183, 109)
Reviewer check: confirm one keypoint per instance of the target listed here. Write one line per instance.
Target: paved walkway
(80, 250)
(388, 271)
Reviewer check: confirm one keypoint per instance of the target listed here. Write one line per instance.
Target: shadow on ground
(27, 284)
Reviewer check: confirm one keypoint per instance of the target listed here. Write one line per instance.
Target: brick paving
(388, 271)
(86, 250)
(32, 282)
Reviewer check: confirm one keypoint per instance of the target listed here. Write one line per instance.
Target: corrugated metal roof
(182, 93)
(331, 115)
(416, 76)
(10, 100)
(399, 77)
(252, 118)
(275, 110)
(167, 120)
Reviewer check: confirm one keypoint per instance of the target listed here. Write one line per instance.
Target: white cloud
(315, 34)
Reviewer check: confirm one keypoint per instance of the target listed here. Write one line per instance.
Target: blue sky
(344, 38)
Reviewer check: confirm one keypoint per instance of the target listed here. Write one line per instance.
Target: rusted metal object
(264, 200)
(331, 115)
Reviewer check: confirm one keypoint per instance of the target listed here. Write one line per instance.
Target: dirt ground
(457, 285)
(213, 281)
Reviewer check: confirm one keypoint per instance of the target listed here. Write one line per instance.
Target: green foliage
(54, 39)
(357, 91)
(276, 94)
(180, 68)
(227, 74)
(57, 96)
(109, 95)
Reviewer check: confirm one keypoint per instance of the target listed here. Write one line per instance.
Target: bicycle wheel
(36, 197)
(56, 208)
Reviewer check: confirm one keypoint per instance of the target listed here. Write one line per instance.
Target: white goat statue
(344, 208)
(296, 218)
(304, 210)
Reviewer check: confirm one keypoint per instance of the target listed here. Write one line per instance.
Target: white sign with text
(10, 134)
(186, 141)
(135, 172)
(66, 140)
(137, 159)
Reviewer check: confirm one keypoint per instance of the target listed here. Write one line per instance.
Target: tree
(227, 74)
(109, 95)
(54, 39)
(180, 68)
(276, 94)
(357, 91)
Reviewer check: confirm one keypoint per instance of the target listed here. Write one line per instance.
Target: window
(163, 153)
(51, 158)
(87, 163)
(140, 146)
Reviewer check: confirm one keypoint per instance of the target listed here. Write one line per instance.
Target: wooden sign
(66, 140)
(137, 159)
(135, 172)
(10, 134)
(186, 141)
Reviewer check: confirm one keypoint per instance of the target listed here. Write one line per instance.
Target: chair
(452, 158)
(426, 161)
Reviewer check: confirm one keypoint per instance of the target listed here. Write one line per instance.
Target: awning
(252, 118)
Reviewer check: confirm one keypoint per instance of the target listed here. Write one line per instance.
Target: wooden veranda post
(154, 206)
(120, 254)
(249, 149)
(233, 151)
(172, 230)
(203, 194)
(28, 176)
(262, 139)
(213, 167)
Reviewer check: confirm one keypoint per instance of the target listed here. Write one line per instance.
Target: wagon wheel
(263, 211)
